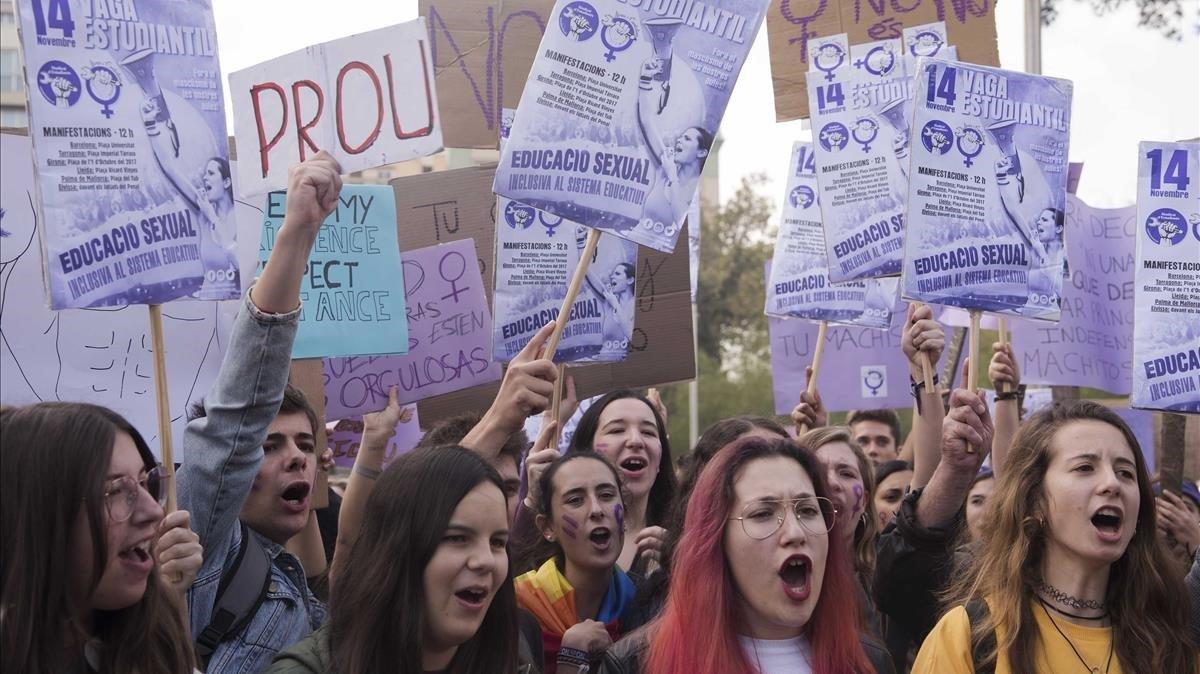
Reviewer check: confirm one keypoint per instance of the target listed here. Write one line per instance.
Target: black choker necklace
(1059, 611)
(1067, 600)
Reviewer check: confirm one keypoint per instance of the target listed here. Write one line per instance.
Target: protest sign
(871, 371)
(449, 338)
(130, 152)
(345, 438)
(987, 190)
(352, 298)
(481, 53)
(536, 255)
(367, 99)
(793, 24)
(1166, 284)
(797, 283)
(621, 109)
(1091, 344)
(455, 205)
(861, 154)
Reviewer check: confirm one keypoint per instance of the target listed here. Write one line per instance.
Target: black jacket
(912, 565)
(625, 657)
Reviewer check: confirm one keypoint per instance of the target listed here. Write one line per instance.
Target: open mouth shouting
(634, 467)
(473, 598)
(1107, 520)
(295, 496)
(795, 573)
(138, 556)
(601, 538)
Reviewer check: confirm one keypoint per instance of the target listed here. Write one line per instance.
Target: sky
(1131, 84)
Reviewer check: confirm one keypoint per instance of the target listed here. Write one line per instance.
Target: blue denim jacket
(222, 454)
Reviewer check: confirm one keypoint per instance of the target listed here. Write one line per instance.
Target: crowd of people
(837, 550)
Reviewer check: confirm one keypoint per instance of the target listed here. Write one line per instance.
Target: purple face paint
(619, 513)
(570, 527)
(858, 498)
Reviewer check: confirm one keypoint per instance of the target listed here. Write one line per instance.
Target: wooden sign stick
(973, 355)
(818, 353)
(1003, 387)
(585, 260)
(166, 454)
(556, 401)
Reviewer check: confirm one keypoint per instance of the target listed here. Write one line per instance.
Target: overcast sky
(1131, 84)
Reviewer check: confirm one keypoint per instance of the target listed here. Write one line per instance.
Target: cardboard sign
(352, 299)
(368, 99)
(449, 338)
(128, 127)
(345, 438)
(987, 189)
(1166, 338)
(452, 205)
(792, 24)
(481, 53)
(622, 107)
(1091, 344)
(798, 283)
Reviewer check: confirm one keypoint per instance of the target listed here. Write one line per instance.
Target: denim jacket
(222, 454)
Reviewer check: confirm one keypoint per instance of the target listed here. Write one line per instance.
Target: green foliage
(1165, 16)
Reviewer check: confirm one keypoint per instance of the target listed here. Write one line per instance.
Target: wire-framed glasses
(761, 519)
(121, 494)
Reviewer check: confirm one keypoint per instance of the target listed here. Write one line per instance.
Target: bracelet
(1018, 392)
(918, 386)
(369, 473)
(573, 657)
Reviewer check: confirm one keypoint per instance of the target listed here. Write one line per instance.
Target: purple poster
(449, 337)
(1091, 345)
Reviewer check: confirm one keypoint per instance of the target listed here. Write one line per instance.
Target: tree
(1161, 15)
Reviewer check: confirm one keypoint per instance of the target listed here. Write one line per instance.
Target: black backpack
(977, 611)
(241, 591)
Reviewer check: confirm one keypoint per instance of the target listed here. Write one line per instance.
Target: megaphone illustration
(156, 116)
(1002, 132)
(662, 35)
(894, 114)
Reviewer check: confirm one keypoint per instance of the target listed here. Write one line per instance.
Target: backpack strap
(239, 594)
(977, 612)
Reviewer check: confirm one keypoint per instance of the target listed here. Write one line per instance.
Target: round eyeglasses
(761, 519)
(121, 494)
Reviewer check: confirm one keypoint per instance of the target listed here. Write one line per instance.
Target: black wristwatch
(1018, 393)
(917, 387)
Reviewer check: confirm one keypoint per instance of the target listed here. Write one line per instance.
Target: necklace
(1067, 600)
(1102, 616)
(1093, 670)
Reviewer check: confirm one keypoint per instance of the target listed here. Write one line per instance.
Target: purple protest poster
(1092, 344)
(449, 337)
(864, 368)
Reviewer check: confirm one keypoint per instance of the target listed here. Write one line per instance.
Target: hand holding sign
(379, 427)
(922, 341)
(179, 552)
(966, 431)
(810, 412)
(1003, 369)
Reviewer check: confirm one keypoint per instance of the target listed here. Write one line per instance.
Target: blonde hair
(1147, 604)
(867, 528)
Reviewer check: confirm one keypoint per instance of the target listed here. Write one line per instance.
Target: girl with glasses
(757, 585)
(93, 575)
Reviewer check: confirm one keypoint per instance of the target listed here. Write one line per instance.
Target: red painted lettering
(428, 128)
(341, 125)
(264, 148)
(302, 137)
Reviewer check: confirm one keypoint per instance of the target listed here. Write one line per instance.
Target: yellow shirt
(947, 649)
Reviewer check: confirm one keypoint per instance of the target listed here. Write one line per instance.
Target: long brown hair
(868, 526)
(1146, 602)
(53, 459)
(377, 612)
